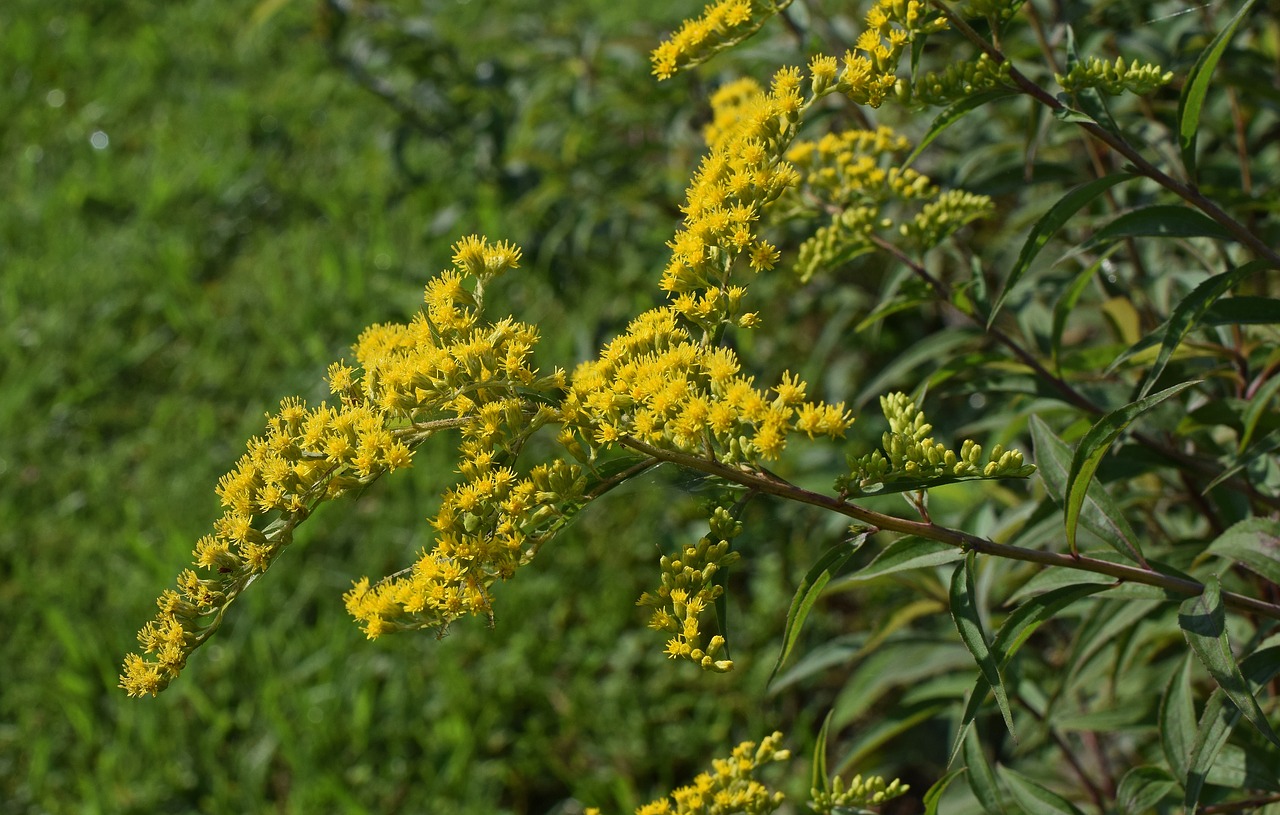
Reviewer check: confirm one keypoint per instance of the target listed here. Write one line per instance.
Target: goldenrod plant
(1135, 542)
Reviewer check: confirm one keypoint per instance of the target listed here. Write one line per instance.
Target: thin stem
(774, 485)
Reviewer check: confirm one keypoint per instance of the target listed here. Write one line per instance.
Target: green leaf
(1262, 447)
(1033, 797)
(1244, 311)
(953, 114)
(933, 796)
(1253, 543)
(807, 593)
(1203, 621)
(981, 780)
(1142, 788)
(1188, 312)
(1218, 720)
(1258, 405)
(1099, 513)
(902, 555)
(1160, 221)
(1197, 86)
(1095, 444)
(933, 348)
(964, 611)
(1048, 226)
(820, 780)
(1178, 719)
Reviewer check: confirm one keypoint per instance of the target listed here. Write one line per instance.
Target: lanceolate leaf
(1160, 221)
(820, 780)
(1067, 302)
(934, 796)
(1254, 543)
(1203, 621)
(1048, 226)
(1218, 720)
(902, 555)
(1142, 788)
(810, 588)
(1094, 446)
(1189, 311)
(964, 611)
(1178, 719)
(1033, 797)
(953, 114)
(1258, 405)
(1197, 86)
(981, 780)
(1099, 514)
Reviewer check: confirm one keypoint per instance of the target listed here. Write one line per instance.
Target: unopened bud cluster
(911, 456)
(958, 80)
(856, 796)
(1114, 77)
(689, 589)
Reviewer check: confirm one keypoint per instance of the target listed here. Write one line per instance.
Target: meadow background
(204, 204)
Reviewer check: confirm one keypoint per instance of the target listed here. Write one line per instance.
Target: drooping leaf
(807, 593)
(1034, 797)
(1048, 226)
(902, 555)
(1095, 444)
(964, 612)
(1099, 513)
(1203, 621)
(954, 113)
(1197, 86)
(1188, 312)
(1160, 221)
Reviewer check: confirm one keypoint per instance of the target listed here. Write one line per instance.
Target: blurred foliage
(208, 201)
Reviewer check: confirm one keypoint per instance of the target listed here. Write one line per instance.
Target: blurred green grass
(201, 213)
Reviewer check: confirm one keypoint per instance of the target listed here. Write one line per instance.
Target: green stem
(773, 485)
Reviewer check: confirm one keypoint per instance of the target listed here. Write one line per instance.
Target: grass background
(203, 208)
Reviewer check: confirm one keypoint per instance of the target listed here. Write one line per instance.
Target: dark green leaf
(1244, 311)
(1178, 719)
(1188, 312)
(901, 555)
(1218, 720)
(1048, 226)
(1095, 444)
(953, 114)
(807, 593)
(1203, 621)
(964, 611)
(1160, 221)
(1099, 513)
(1258, 405)
(1142, 788)
(1255, 543)
(981, 780)
(1033, 797)
(1197, 86)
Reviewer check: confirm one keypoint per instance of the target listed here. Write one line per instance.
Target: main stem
(771, 484)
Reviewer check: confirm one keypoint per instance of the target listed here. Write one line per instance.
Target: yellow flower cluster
(656, 385)
(959, 80)
(851, 175)
(730, 788)
(442, 370)
(689, 589)
(855, 796)
(723, 24)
